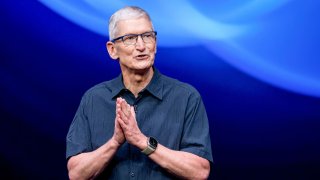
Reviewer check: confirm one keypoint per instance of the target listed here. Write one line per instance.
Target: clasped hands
(126, 126)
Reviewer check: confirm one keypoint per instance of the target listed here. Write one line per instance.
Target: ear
(112, 50)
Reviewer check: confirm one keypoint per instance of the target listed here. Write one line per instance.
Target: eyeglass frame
(121, 37)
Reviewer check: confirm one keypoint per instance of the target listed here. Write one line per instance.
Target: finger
(123, 117)
(132, 112)
(122, 105)
(118, 105)
(128, 110)
(125, 107)
(122, 124)
(119, 99)
(117, 125)
(123, 101)
(118, 109)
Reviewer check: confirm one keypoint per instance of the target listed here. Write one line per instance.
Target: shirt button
(132, 174)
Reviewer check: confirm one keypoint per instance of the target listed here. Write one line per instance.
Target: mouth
(142, 57)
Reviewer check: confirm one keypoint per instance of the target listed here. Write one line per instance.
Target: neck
(137, 81)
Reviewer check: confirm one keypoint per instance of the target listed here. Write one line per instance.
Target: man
(142, 124)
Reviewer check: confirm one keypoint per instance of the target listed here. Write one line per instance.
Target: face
(138, 57)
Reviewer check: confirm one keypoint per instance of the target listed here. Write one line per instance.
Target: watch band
(147, 151)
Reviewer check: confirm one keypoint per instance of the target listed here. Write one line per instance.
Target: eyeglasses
(131, 39)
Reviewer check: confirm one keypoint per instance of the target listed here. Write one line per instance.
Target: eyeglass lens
(147, 37)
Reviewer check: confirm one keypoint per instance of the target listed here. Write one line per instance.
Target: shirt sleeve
(78, 137)
(196, 136)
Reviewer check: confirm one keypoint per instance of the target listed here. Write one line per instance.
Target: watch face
(153, 142)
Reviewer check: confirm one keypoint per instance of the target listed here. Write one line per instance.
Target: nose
(140, 45)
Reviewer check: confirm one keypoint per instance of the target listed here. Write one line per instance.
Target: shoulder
(102, 89)
(97, 89)
(175, 85)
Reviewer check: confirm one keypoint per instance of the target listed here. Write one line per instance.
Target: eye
(129, 37)
(147, 35)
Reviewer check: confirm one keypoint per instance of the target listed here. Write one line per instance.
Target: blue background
(255, 63)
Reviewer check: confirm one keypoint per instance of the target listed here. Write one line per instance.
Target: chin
(144, 66)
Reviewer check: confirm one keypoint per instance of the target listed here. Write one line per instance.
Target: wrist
(114, 143)
(142, 143)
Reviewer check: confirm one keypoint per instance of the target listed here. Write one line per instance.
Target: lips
(142, 57)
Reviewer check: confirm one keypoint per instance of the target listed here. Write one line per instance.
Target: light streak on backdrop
(272, 40)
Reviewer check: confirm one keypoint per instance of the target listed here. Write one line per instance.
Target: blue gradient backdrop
(255, 63)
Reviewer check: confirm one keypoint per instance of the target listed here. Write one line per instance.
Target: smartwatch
(152, 146)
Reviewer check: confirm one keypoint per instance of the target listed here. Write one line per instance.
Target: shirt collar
(155, 87)
(116, 86)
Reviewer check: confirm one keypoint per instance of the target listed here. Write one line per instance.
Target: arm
(90, 164)
(182, 164)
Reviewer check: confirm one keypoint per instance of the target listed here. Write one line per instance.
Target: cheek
(124, 53)
(153, 49)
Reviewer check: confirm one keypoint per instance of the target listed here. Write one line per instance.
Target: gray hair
(125, 13)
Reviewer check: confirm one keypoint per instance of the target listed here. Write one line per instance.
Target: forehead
(133, 26)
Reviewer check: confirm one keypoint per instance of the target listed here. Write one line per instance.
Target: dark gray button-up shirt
(168, 110)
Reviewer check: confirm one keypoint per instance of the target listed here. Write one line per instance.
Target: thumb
(132, 111)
